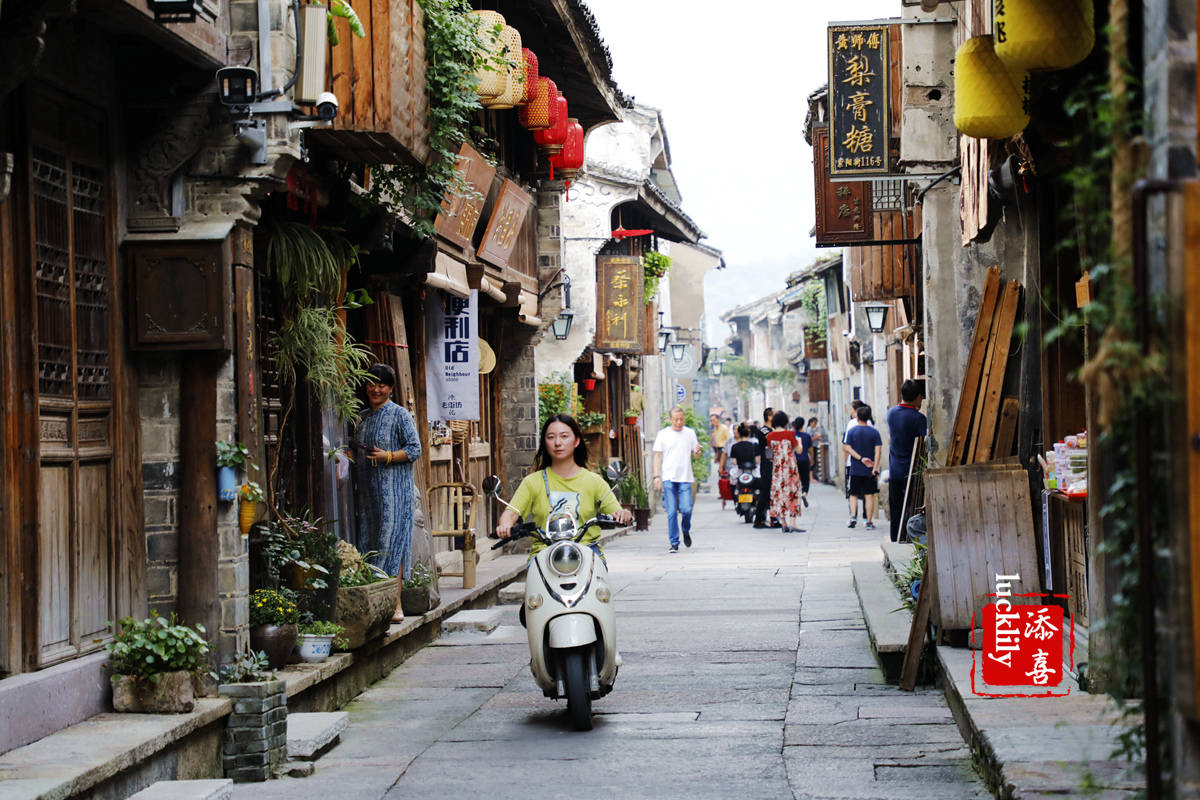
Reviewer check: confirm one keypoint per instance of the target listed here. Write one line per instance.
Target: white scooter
(568, 612)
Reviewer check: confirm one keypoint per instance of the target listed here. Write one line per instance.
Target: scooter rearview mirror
(492, 486)
(616, 470)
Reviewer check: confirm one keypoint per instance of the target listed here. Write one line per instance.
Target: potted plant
(251, 495)
(256, 733)
(156, 663)
(273, 618)
(589, 384)
(310, 554)
(591, 421)
(641, 506)
(231, 456)
(317, 640)
(366, 598)
(414, 594)
(631, 416)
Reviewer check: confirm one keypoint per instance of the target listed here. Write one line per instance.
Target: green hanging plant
(655, 265)
(342, 9)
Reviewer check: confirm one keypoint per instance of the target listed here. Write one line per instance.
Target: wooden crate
(1068, 553)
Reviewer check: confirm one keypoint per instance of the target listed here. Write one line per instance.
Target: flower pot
(276, 641)
(227, 485)
(415, 600)
(589, 384)
(246, 513)
(641, 519)
(366, 611)
(164, 693)
(631, 420)
(314, 647)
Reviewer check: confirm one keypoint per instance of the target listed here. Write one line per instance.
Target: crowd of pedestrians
(779, 452)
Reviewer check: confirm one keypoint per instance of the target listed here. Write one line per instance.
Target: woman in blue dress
(389, 443)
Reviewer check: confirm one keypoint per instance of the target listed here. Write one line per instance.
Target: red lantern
(551, 139)
(531, 74)
(540, 112)
(569, 161)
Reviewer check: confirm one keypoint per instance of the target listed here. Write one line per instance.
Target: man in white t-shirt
(674, 447)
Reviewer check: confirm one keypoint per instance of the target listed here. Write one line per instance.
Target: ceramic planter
(165, 693)
(366, 611)
(227, 485)
(246, 513)
(314, 647)
(277, 641)
(589, 384)
(631, 420)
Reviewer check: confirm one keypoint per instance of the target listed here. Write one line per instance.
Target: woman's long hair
(541, 459)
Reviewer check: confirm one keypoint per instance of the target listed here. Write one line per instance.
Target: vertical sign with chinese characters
(859, 114)
(452, 357)
(619, 311)
(504, 227)
(843, 208)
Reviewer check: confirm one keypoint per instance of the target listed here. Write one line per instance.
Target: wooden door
(72, 259)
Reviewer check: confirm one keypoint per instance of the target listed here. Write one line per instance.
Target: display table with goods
(1064, 523)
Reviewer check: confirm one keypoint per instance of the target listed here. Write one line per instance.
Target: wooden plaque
(619, 309)
(457, 220)
(504, 228)
(181, 296)
(844, 208)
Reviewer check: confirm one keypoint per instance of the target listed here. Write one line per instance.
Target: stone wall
(158, 387)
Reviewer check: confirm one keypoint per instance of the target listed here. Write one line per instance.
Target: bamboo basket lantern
(540, 112)
(492, 83)
(514, 72)
(1044, 34)
(990, 101)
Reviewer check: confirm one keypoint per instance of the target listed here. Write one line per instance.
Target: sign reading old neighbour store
(843, 208)
(452, 356)
(619, 308)
(858, 100)
(460, 213)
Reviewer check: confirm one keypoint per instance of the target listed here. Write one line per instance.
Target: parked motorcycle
(745, 493)
(567, 612)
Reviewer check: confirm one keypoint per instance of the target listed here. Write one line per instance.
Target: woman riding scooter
(562, 482)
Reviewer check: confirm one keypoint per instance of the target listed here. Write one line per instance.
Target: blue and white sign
(680, 393)
(452, 356)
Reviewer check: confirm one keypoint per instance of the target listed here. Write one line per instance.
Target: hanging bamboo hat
(487, 357)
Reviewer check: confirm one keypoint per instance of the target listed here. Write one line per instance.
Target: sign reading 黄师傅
(452, 356)
(858, 100)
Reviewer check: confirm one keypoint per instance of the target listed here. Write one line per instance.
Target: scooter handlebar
(518, 531)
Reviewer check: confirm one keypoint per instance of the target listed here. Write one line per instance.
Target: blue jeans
(677, 497)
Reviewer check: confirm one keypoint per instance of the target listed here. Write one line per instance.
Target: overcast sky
(732, 81)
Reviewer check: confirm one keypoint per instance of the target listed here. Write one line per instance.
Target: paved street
(748, 674)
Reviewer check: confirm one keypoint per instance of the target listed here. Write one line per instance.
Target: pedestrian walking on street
(803, 460)
(855, 405)
(785, 477)
(674, 447)
(719, 437)
(864, 446)
(758, 433)
(905, 423)
(388, 441)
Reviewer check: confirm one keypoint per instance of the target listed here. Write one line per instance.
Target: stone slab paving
(309, 734)
(747, 673)
(219, 789)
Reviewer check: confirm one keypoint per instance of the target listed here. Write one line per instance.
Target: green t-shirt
(578, 495)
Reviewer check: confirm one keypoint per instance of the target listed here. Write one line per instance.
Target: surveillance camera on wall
(327, 105)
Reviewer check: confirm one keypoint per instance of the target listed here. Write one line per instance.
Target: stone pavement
(748, 673)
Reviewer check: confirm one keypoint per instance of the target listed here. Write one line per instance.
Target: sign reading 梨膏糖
(452, 356)
(858, 100)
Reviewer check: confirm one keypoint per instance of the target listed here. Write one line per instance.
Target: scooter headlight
(602, 593)
(566, 558)
(561, 526)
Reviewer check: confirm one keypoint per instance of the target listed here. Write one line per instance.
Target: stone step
(513, 592)
(310, 735)
(217, 789)
(484, 620)
(896, 555)
(887, 627)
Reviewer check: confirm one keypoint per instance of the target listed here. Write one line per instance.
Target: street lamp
(678, 351)
(717, 366)
(664, 336)
(876, 314)
(562, 324)
(802, 367)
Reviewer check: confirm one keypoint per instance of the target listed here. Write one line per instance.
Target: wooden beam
(988, 407)
(970, 386)
(916, 635)
(1006, 431)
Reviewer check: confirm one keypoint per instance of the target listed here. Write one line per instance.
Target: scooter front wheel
(579, 700)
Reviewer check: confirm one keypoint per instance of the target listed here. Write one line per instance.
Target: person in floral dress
(785, 477)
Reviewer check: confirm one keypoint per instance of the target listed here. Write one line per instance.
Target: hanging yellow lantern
(492, 82)
(513, 71)
(990, 102)
(1044, 34)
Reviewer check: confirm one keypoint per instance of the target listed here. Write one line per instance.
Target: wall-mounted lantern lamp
(562, 324)
(678, 351)
(876, 316)
(802, 367)
(717, 366)
(664, 337)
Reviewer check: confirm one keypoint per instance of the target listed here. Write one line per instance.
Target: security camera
(327, 105)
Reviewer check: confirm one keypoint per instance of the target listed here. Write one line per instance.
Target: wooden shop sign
(620, 315)
(459, 216)
(843, 208)
(859, 114)
(504, 228)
